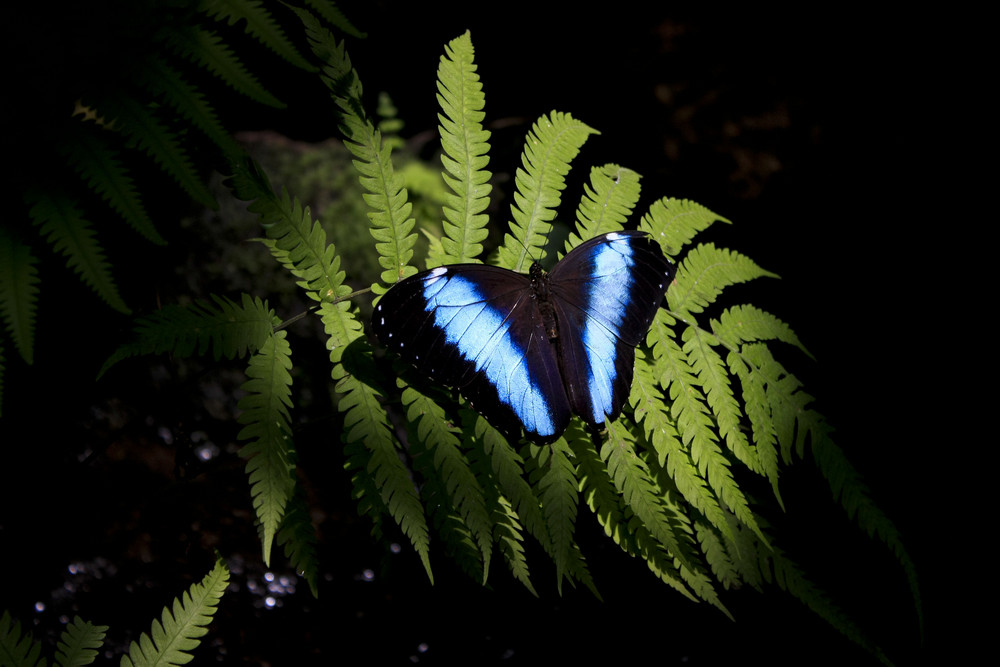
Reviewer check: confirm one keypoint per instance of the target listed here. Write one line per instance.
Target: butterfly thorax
(540, 293)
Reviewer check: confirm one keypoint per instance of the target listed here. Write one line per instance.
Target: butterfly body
(528, 351)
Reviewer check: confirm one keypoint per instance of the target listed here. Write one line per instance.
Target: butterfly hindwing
(477, 328)
(527, 352)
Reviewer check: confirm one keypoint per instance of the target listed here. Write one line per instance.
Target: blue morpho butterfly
(529, 350)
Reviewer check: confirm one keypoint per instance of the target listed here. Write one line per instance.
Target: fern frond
(852, 493)
(790, 578)
(441, 443)
(225, 328)
(716, 554)
(270, 455)
(607, 202)
(79, 642)
(748, 324)
(632, 480)
(700, 347)
(16, 648)
(329, 12)
(600, 494)
(99, 166)
(554, 477)
(370, 446)
(684, 458)
(675, 222)
(297, 537)
(180, 627)
(508, 469)
(206, 49)
(18, 294)
(508, 535)
(64, 226)
(144, 130)
(259, 24)
(391, 224)
(758, 411)
(465, 147)
(550, 146)
(165, 82)
(704, 273)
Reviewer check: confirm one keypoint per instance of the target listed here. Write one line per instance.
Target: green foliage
(146, 106)
(174, 636)
(177, 632)
(711, 410)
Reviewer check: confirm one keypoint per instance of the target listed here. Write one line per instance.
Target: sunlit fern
(710, 407)
(169, 642)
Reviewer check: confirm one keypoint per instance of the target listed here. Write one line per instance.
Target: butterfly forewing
(477, 328)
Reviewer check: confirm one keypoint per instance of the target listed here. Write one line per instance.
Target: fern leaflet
(63, 224)
(180, 627)
(550, 146)
(607, 202)
(464, 145)
(79, 642)
(269, 454)
(18, 294)
(16, 648)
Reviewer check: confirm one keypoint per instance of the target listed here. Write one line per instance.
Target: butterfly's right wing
(477, 328)
(606, 293)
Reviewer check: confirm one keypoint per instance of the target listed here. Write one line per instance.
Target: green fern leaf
(550, 146)
(607, 202)
(716, 554)
(632, 479)
(63, 225)
(392, 226)
(848, 488)
(181, 626)
(675, 222)
(144, 130)
(747, 324)
(508, 470)
(18, 294)
(714, 379)
(790, 578)
(440, 442)
(297, 536)
(269, 453)
(600, 493)
(368, 440)
(79, 642)
(225, 328)
(684, 460)
(165, 82)
(704, 273)
(465, 145)
(259, 24)
(509, 536)
(104, 173)
(207, 49)
(555, 480)
(15, 648)
(758, 410)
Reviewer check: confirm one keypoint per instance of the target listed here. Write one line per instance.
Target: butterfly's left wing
(605, 293)
(477, 328)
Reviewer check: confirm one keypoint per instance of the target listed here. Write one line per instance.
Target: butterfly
(529, 350)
